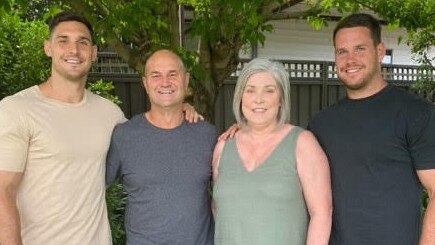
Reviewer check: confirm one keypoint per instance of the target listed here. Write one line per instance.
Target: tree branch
(131, 56)
(275, 11)
(293, 15)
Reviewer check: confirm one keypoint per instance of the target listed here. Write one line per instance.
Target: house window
(388, 58)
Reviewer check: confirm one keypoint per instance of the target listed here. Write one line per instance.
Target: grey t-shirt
(166, 175)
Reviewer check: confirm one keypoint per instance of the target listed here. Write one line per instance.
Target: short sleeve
(421, 140)
(14, 138)
(113, 160)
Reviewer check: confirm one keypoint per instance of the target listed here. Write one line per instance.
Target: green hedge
(22, 60)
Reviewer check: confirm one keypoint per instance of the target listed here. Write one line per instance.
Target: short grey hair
(281, 76)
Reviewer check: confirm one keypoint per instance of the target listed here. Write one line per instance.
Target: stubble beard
(361, 83)
(73, 76)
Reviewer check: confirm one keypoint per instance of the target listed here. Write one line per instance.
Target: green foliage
(104, 89)
(22, 61)
(425, 85)
(5, 6)
(316, 21)
(115, 198)
(222, 19)
(141, 24)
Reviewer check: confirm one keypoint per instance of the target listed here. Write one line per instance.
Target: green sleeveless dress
(262, 207)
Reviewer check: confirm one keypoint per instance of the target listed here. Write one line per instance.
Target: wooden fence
(314, 86)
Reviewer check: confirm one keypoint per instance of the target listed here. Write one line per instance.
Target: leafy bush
(22, 60)
(115, 198)
(104, 89)
(425, 85)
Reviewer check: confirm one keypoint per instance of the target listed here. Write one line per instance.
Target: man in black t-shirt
(380, 142)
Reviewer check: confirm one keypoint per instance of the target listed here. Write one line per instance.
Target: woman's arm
(313, 169)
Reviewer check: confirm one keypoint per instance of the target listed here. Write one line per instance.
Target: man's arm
(427, 178)
(10, 231)
(113, 161)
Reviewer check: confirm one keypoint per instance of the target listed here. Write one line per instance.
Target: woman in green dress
(271, 180)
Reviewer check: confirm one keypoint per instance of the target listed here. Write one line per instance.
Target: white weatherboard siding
(297, 40)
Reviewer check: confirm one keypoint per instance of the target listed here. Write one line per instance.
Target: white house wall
(297, 40)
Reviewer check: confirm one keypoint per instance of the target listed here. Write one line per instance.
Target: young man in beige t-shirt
(53, 143)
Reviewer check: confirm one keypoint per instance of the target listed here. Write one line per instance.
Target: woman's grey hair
(281, 77)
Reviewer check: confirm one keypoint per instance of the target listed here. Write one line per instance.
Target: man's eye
(360, 49)
(340, 52)
(84, 43)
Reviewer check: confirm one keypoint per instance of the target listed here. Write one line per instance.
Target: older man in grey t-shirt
(164, 163)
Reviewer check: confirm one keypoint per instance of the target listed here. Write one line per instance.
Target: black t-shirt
(374, 146)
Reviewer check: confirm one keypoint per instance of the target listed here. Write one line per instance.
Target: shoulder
(305, 141)
(307, 147)
(106, 106)
(203, 127)
(326, 114)
(219, 148)
(217, 152)
(10, 103)
(129, 124)
(304, 137)
(21, 96)
(202, 134)
(95, 98)
(402, 93)
(411, 106)
(408, 99)
(15, 116)
(19, 103)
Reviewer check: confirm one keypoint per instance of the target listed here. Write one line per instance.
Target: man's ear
(187, 79)
(47, 48)
(381, 51)
(144, 84)
(94, 53)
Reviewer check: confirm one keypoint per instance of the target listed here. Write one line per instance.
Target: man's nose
(72, 48)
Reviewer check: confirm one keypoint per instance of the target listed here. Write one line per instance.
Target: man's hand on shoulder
(190, 114)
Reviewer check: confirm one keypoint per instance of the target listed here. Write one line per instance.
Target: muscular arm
(10, 232)
(427, 178)
(313, 170)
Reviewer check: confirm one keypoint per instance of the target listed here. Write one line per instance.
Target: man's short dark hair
(68, 16)
(361, 20)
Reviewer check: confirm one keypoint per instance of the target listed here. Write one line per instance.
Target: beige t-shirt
(61, 149)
